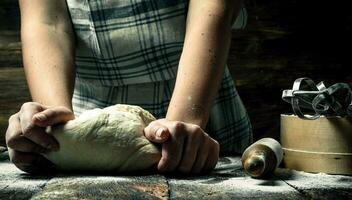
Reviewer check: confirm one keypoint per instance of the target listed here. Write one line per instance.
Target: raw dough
(109, 139)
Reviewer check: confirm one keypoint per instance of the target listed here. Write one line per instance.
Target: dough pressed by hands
(109, 139)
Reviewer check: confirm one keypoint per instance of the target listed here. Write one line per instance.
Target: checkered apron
(128, 52)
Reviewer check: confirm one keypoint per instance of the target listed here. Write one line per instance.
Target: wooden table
(227, 181)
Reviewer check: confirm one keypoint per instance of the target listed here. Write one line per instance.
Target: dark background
(283, 40)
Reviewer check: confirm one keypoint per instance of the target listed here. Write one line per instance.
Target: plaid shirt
(128, 52)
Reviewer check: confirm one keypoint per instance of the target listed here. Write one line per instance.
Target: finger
(27, 111)
(23, 144)
(52, 116)
(212, 158)
(202, 156)
(40, 137)
(190, 153)
(30, 162)
(15, 140)
(13, 129)
(171, 154)
(31, 131)
(156, 132)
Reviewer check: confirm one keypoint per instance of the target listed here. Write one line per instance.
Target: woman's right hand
(26, 137)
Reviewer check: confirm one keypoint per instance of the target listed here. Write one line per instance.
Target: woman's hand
(186, 148)
(27, 139)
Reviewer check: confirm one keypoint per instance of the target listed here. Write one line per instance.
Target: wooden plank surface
(317, 185)
(17, 185)
(227, 181)
(104, 187)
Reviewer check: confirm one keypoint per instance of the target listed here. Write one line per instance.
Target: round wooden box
(321, 145)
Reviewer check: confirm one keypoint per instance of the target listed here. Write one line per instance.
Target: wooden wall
(13, 88)
(283, 40)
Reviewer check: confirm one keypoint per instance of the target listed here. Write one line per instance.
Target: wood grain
(13, 93)
(227, 181)
(321, 145)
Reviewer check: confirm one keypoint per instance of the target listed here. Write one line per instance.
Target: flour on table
(109, 139)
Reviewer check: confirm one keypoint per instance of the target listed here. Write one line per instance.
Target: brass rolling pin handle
(261, 158)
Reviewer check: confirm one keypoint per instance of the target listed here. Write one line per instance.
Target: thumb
(53, 116)
(156, 133)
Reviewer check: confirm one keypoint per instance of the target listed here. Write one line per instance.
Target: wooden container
(321, 145)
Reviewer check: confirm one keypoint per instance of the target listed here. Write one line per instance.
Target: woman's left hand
(186, 148)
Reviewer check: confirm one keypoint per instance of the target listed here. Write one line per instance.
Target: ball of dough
(109, 139)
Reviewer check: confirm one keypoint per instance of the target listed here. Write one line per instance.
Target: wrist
(194, 115)
(48, 103)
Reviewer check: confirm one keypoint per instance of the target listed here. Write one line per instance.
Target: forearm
(48, 57)
(202, 62)
(49, 68)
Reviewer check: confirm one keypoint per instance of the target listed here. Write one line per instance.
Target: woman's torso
(128, 52)
(123, 42)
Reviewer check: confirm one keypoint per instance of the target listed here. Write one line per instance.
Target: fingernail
(40, 117)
